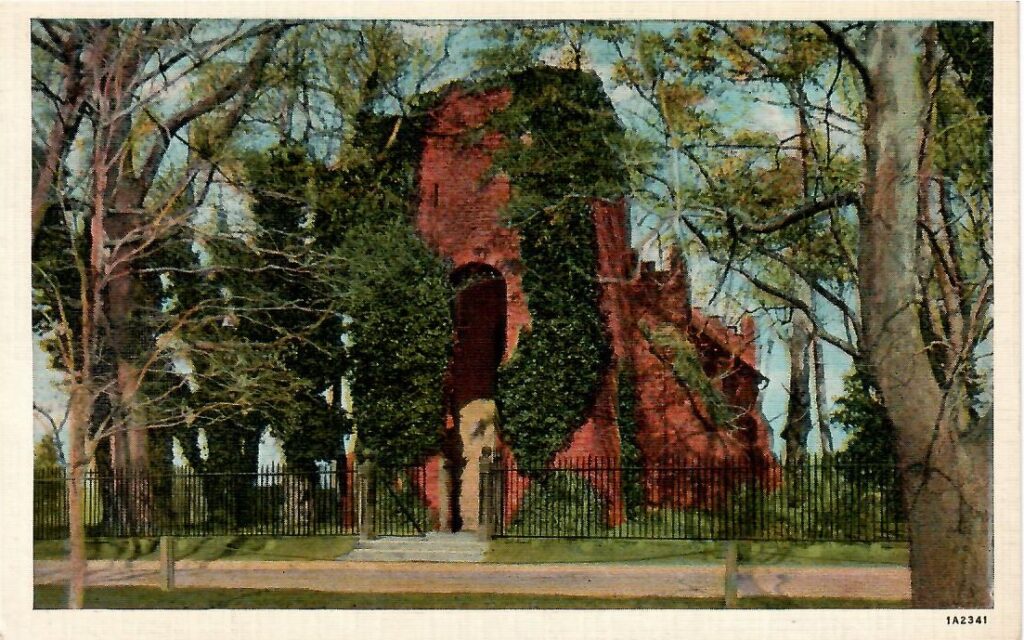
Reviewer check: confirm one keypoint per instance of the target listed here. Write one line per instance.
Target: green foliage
(666, 523)
(56, 306)
(561, 504)
(826, 502)
(560, 153)
(517, 47)
(963, 137)
(546, 388)
(688, 369)
(969, 45)
(514, 48)
(45, 454)
(326, 280)
(397, 294)
(630, 456)
(871, 444)
(861, 413)
(265, 344)
(391, 332)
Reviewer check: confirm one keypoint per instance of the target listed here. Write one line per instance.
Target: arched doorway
(479, 345)
(479, 332)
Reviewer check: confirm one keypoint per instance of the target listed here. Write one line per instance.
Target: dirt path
(598, 580)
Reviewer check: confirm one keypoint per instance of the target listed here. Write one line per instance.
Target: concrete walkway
(598, 580)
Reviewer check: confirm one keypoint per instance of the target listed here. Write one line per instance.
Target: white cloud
(774, 119)
(622, 94)
(428, 32)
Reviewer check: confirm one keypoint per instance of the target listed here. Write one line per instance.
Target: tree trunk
(79, 416)
(824, 431)
(945, 461)
(798, 416)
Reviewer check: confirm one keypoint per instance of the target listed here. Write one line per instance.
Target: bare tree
(120, 90)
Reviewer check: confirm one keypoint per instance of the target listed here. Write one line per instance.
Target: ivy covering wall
(688, 369)
(401, 334)
(560, 153)
(398, 298)
(631, 458)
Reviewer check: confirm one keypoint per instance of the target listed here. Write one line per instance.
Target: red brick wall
(459, 211)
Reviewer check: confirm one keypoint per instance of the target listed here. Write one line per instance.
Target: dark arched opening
(478, 347)
(479, 333)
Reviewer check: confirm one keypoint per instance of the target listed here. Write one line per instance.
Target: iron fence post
(444, 495)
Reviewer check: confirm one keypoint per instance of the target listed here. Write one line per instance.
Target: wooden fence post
(368, 500)
(166, 563)
(731, 570)
(485, 529)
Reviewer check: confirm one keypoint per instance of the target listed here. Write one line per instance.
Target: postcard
(536, 320)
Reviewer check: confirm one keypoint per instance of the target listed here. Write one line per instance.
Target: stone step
(420, 555)
(431, 538)
(415, 544)
(417, 548)
(434, 547)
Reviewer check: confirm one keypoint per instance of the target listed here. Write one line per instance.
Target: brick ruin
(459, 216)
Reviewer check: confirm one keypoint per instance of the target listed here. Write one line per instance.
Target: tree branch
(801, 213)
(243, 81)
(851, 56)
(62, 132)
(844, 345)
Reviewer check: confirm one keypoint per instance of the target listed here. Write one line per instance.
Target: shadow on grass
(207, 548)
(53, 597)
(682, 552)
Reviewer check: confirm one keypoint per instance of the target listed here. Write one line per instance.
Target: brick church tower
(460, 216)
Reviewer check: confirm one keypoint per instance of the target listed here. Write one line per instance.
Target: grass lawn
(505, 550)
(692, 552)
(205, 549)
(53, 596)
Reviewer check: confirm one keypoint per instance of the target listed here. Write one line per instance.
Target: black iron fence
(817, 500)
(272, 501)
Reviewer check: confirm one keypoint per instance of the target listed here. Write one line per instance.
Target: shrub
(561, 504)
